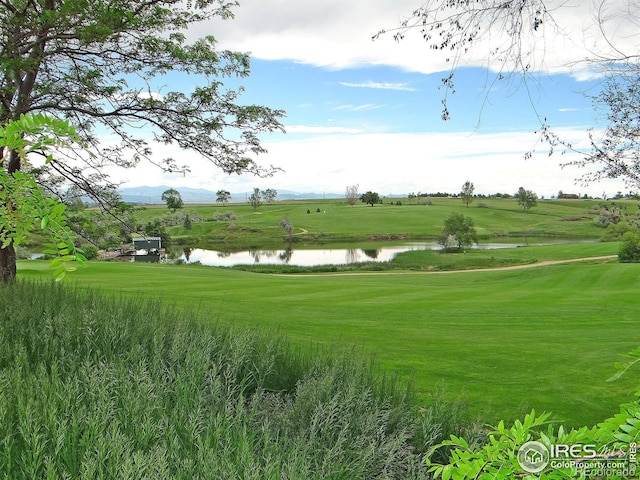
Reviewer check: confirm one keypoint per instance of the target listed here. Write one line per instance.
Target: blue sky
(368, 112)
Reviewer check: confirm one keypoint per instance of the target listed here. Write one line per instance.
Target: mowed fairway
(543, 338)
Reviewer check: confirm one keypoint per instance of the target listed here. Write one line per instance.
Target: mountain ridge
(153, 195)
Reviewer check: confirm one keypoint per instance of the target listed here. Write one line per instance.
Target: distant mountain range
(153, 195)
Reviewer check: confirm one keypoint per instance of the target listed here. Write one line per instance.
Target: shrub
(22, 253)
(225, 217)
(483, 205)
(630, 249)
(458, 232)
(179, 218)
(607, 217)
(187, 222)
(89, 250)
(616, 231)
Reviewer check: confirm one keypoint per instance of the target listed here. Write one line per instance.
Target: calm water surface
(319, 256)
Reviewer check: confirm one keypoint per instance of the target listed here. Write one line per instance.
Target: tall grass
(92, 387)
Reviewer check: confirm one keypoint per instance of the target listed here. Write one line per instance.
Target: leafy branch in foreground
(24, 206)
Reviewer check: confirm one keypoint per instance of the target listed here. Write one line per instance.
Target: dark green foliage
(223, 196)
(526, 198)
(458, 232)
(105, 230)
(157, 229)
(102, 66)
(255, 199)
(89, 251)
(173, 199)
(467, 193)
(114, 388)
(370, 198)
(187, 222)
(630, 249)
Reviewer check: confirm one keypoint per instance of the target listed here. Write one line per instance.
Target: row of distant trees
(174, 201)
(526, 198)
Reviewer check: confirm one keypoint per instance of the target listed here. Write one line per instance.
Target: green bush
(630, 249)
(89, 250)
(225, 217)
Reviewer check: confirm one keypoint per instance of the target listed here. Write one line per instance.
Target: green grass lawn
(336, 221)
(543, 338)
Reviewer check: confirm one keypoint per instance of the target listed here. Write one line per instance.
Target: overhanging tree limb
(103, 66)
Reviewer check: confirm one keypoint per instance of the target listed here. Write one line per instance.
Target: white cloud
(401, 163)
(358, 108)
(151, 95)
(338, 34)
(315, 129)
(380, 85)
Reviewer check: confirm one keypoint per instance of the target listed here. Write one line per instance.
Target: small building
(147, 243)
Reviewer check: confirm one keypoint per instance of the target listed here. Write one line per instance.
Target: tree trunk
(8, 253)
(7, 264)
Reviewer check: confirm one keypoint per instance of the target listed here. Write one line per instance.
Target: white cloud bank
(401, 163)
(338, 34)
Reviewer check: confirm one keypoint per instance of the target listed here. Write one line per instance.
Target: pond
(306, 257)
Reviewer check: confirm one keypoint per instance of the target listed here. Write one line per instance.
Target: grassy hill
(338, 222)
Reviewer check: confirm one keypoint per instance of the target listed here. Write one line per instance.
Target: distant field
(338, 222)
(543, 338)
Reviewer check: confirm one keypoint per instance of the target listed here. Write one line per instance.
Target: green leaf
(623, 437)
(58, 209)
(59, 274)
(446, 472)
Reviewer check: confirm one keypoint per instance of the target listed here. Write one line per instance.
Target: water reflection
(323, 256)
(289, 256)
(152, 255)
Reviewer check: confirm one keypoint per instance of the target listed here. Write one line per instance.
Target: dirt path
(445, 272)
